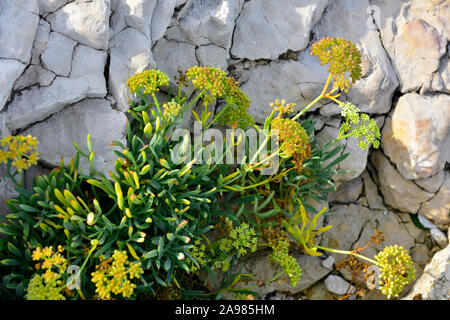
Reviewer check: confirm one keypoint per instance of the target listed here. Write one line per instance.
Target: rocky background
(64, 64)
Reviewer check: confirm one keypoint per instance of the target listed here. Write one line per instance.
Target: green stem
(156, 103)
(352, 253)
(216, 117)
(309, 106)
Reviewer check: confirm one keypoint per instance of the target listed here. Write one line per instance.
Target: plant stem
(309, 106)
(352, 253)
(216, 117)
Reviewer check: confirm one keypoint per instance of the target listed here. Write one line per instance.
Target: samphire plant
(165, 224)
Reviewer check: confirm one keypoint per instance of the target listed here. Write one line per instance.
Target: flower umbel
(171, 108)
(363, 126)
(396, 268)
(344, 60)
(19, 150)
(49, 285)
(116, 277)
(216, 82)
(293, 139)
(149, 80)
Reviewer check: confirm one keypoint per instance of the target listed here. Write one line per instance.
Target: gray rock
(161, 18)
(347, 192)
(328, 263)
(88, 22)
(337, 285)
(210, 22)
(138, 14)
(439, 237)
(294, 21)
(89, 64)
(433, 183)
(299, 81)
(90, 116)
(57, 55)
(6, 190)
(213, 56)
(343, 234)
(130, 53)
(48, 100)
(437, 209)
(263, 270)
(417, 49)
(413, 138)
(40, 41)
(397, 191)
(434, 284)
(48, 6)
(34, 75)
(171, 56)
(18, 25)
(10, 70)
(371, 190)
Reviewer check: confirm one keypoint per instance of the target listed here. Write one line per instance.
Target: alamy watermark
(230, 146)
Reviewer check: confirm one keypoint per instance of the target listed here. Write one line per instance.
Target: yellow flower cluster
(219, 85)
(47, 286)
(19, 151)
(397, 270)
(171, 109)
(149, 80)
(42, 288)
(282, 107)
(280, 246)
(343, 57)
(116, 277)
(293, 138)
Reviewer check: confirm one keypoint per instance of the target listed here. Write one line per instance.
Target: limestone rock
(138, 14)
(392, 227)
(40, 41)
(434, 284)
(262, 269)
(371, 190)
(18, 25)
(355, 162)
(210, 21)
(85, 22)
(299, 81)
(6, 190)
(10, 70)
(294, 21)
(439, 237)
(161, 18)
(130, 53)
(34, 74)
(397, 191)
(89, 63)
(413, 138)
(48, 100)
(343, 235)
(437, 209)
(171, 56)
(90, 116)
(347, 192)
(213, 56)
(417, 50)
(433, 183)
(48, 6)
(57, 55)
(337, 285)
